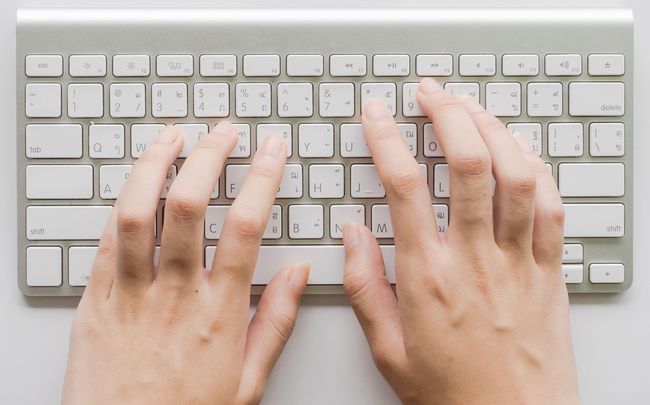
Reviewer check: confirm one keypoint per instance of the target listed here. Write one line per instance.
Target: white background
(327, 360)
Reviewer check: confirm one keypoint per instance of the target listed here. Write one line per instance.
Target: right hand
(482, 315)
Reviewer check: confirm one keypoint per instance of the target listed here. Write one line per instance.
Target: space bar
(326, 262)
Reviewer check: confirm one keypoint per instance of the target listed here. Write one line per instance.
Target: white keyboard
(94, 87)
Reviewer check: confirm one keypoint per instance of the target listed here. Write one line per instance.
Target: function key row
(313, 65)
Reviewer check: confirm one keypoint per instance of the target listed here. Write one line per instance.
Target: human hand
(178, 333)
(481, 314)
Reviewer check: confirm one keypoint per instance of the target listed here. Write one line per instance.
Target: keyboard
(94, 87)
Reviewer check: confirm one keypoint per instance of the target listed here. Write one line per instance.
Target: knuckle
(472, 165)
(383, 358)
(404, 183)
(245, 225)
(185, 207)
(555, 214)
(130, 221)
(523, 185)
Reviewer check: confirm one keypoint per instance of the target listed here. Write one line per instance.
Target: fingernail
(472, 105)
(167, 135)
(298, 277)
(223, 127)
(375, 109)
(351, 235)
(273, 145)
(429, 86)
(523, 144)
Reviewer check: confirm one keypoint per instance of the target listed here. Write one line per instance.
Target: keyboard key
(169, 100)
(410, 106)
(105, 141)
(531, 132)
(295, 100)
(352, 141)
(253, 99)
(520, 65)
(544, 99)
(477, 65)
(410, 134)
(464, 89)
(261, 65)
(55, 182)
(348, 65)
(290, 184)
(305, 65)
(142, 135)
(503, 99)
(606, 273)
(326, 181)
(44, 266)
(316, 140)
(85, 100)
(131, 65)
(53, 141)
(573, 273)
(211, 100)
(565, 139)
(80, 264)
(434, 65)
(342, 214)
(87, 65)
(70, 222)
(365, 182)
(599, 99)
(432, 146)
(336, 99)
(594, 220)
(391, 65)
(218, 65)
(591, 179)
(563, 65)
(306, 221)
(383, 228)
(606, 64)
(243, 146)
(43, 100)
(174, 65)
(284, 130)
(127, 100)
(572, 253)
(441, 180)
(43, 65)
(607, 139)
(192, 134)
(386, 92)
(215, 216)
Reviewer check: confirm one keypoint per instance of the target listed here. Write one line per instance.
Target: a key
(503, 99)
(348, 65)
(326, 181)
(606, 273)
(573, 273)
(142, 135)
(520, 65)
(290, 184)
(432, 146)
(464, 89)
(383, 228)
(336, 99)
(215, 216)
(410, 134)
(598, 99)
(434, 65)
(53, 141)
(174, 65)
(304, 65)
(253, 99)
(87, 65)
(80, 263)
(211, 100)
(295, 100)
(243, 146)
(306, 221)
(43, 65)
(53, 182)
(594, 220)
(261, 65)
(127, 100)
(572, 253)
(113, 177)
(43, 266)
(218, 65)
(477, 65)
(610, 64)
(544, 99)
(353, 143)
(390, 65)
(441, 180)
(69, 222)
(43, 100)
(531, 132)
(365, 182)
(563, 65)
(565, 139)
(192, 134)
(316, 140)
(410, 106)
(284, 130)
(169, 100)
(131, 65)
(591, 179)
(385, 92)
(106, 141)
(85, 100)
(342, 214)
(607, 139)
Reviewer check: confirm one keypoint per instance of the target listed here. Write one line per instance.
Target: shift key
(66, 222)
(594, 220)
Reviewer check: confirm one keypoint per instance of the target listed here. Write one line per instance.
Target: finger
(181, 254)
(548, 228)
(470, 177)
(105, 263)
(514, 200)
(373, 300)
(408, 195)
(270, 329)
(239, 244)
(136, 213)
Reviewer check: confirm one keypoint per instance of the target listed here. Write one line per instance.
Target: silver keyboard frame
(325, 32)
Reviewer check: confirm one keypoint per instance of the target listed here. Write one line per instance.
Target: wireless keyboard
(94, 87)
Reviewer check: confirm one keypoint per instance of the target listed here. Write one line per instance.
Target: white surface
(327, 360)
